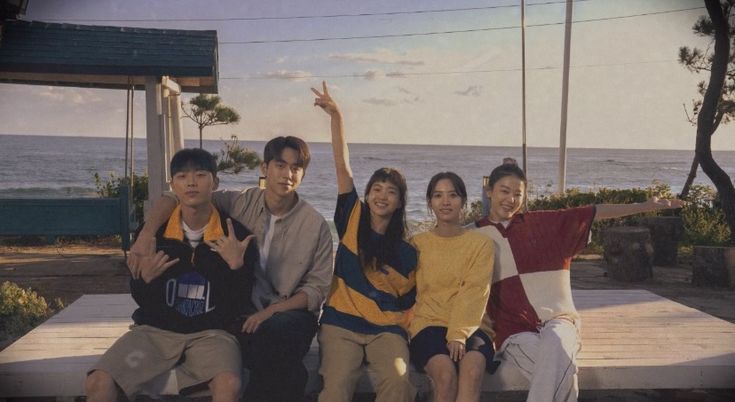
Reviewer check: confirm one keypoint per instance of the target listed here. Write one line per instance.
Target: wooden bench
(53, 217)
(632, 339)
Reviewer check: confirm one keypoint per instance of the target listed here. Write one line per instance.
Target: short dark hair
(457, 182)
(274, 148)
(193, 159)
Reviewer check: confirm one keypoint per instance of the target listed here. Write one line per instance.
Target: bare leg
(100, 387)
(471, 373)
(444, 376)
(225, 387)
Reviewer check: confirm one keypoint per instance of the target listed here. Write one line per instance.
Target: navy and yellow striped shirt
(365, 299)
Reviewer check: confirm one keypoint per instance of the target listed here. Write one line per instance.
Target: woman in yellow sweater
(453, 284)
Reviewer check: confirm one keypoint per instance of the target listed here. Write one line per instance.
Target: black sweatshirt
(200, 291)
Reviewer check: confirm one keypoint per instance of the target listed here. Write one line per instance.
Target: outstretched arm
(339, 145)
(609, 211)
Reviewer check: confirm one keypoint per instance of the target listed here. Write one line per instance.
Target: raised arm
(341, 154)
(609, 211)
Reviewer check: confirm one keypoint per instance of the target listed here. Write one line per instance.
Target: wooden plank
(632, 339)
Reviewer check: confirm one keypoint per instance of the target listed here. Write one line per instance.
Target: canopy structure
(163, 62)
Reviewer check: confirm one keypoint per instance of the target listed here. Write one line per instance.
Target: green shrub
(703, 218)
(575, 198)
(233, 158)
(111, 189)
(474, 212)
(21, 310)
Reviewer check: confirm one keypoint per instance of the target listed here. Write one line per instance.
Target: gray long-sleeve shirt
(300, 255)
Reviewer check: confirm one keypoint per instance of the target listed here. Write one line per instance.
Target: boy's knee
(98, 384)
(226, 382)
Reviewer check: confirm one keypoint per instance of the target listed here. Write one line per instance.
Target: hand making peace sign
(229, 248)
(325, 101)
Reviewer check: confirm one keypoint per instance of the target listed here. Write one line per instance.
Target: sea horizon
(64, 167)
(373, 143)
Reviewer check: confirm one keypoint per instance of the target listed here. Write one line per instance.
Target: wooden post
(174, 122)
(178, 135)
(155, 141)
(167, 131)
(628, 253)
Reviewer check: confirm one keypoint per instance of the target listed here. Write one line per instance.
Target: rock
(714, 266)
(665, 234)
(628, 253)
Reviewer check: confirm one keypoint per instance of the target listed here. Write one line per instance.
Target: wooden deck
(632, 339)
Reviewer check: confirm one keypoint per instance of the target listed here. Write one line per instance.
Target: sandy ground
(69, 271)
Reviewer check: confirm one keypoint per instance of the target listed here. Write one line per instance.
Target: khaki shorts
(146, 352)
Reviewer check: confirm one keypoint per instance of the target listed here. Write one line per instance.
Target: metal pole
(132, 137)
(127, 131)
(132, 147)
(523, 96)
(564, 100)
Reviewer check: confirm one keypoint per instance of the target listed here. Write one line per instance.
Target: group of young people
(217, 293)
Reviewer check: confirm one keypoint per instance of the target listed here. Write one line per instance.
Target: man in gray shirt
(292, 279)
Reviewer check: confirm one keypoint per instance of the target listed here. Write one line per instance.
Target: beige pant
(144, 353)
(548, 359)
(343, 353)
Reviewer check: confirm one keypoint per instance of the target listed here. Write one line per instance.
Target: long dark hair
(385, 248)
(457, 182)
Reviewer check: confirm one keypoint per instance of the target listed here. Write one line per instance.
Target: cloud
(380, 101)
(472, 90)
(382, 55)
(296, 75)
(410, 96)
(412, 99)
(371, 75)
(69, 95)
(280, 60)
(395, 74)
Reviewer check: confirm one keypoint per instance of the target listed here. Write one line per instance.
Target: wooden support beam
(171, 85)
(155, 137)
(184, 84)
(178, 134)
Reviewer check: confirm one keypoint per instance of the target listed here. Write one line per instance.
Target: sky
(626, 89)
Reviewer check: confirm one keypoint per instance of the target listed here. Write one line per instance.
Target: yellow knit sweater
(452, 283)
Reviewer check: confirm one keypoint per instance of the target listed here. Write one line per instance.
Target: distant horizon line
(371, 143)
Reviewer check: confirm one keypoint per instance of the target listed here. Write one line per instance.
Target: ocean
(52, 167)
